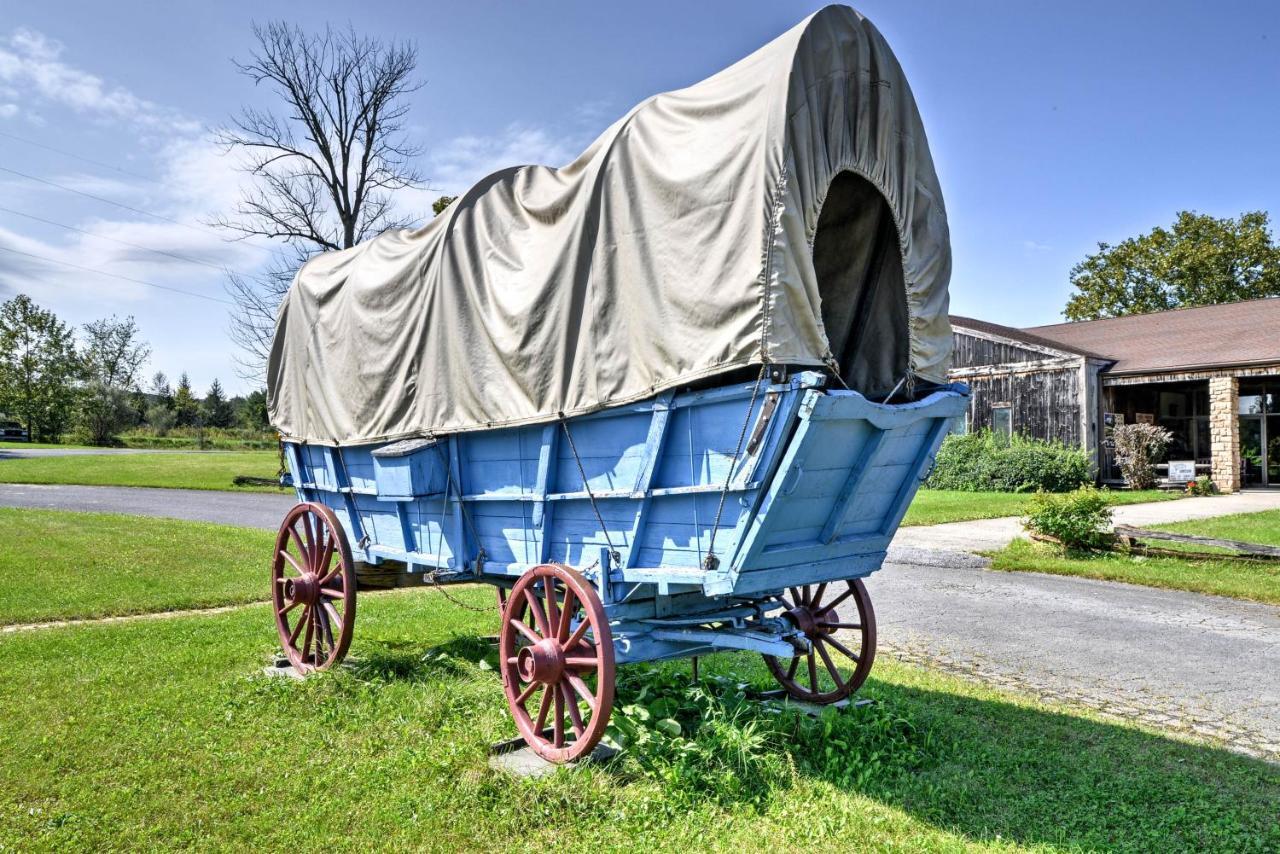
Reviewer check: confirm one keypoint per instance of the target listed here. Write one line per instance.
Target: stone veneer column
(1224, 432)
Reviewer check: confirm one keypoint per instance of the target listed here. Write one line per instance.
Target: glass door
(1273, 450)
(1253, 470)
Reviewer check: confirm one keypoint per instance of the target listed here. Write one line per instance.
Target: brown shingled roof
(1240, 333)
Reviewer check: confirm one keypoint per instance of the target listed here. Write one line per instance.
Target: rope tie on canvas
(604, 529)
(711, 562)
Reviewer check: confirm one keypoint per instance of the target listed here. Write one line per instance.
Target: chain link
(711, 562)
(613, 553)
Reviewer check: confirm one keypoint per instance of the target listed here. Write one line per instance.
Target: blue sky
(1054, 126)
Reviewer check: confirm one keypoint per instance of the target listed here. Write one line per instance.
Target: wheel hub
(806, 621)
(304, 590)
(542, 662)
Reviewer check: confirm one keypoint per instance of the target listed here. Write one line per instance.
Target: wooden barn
(1210, 375)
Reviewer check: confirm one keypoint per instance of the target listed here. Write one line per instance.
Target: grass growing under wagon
(58, 565)
(163, 734)
(1255, 580)
(173, 470)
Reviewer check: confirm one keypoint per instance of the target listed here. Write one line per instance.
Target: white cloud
(8, 111)
(32, 63)
(1031, 246)
(456, 164)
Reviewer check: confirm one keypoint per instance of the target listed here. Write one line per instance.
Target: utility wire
(72, 154)
(219, 267)
(115, 275)
(105, 200)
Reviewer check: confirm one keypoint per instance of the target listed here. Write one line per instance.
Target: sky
(1053, 126)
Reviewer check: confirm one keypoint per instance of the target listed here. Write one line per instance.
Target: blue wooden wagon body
(809, 484)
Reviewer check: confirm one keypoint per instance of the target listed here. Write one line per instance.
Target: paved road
(1203, 664)
(26, 453)
(251, 509)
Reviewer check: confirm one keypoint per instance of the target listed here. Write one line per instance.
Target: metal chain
(711, 562)
(433, 579)
(604, 529)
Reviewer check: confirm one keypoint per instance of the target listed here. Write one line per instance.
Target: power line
(219, 267)
(121, 205)
(72, 154)
(115, 275)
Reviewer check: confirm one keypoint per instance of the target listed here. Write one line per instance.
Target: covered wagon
(670, 399)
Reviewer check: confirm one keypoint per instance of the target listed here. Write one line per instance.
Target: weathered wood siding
(1041, 387)
(972, 351)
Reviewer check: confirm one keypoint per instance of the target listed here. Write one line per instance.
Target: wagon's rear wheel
(556, 653)
(841, 648)
(313, 588)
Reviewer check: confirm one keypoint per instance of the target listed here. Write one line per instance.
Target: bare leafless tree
(325, 168)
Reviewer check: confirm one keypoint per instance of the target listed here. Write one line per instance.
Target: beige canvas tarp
(689, 240)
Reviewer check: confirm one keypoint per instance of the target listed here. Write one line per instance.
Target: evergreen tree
(38, 368)
(217, 410)
(253, 412)
(185, 408)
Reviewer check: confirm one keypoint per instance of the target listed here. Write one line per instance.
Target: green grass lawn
(40, 445)
(181, 470)
(1256, 580)
(60, 565)
(935, 506)
(163, 734)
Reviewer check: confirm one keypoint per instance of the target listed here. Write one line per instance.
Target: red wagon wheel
(555, 642)
(313, 588)
(836, 665)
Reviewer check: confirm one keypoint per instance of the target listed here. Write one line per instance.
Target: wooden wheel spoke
(813, 672)
(293, 563)
(566, 615)
(583, 690)
(303, 618)
(553, 610)
(287, 608)
(843, 596)
(541, 723)
(796, 598)
(302, 549)
(579, 662)
(332, 594)
(309, 633)
(795, 665)
(575, 714)
(326, 555)
(333, 616)
(831, 665)
(578, 634)
(528, 692)
(842, 648)
(557, 726)
(528, 633)
(853, 626)
(816, 601)
(539, 615)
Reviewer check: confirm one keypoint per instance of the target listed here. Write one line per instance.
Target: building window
(1002, 420)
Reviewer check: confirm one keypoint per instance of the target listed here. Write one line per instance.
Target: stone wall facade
(1224, 432)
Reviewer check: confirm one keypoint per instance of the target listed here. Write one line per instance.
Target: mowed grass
(164, 734)
(64, 565)
(1255, 580)
(178, 470)
(937, 506)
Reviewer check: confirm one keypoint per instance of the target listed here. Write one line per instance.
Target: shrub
(1077, 519)
(1138, 447)
(982, 461)
(1203, 485)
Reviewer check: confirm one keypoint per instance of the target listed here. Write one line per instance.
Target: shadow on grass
(413, 661)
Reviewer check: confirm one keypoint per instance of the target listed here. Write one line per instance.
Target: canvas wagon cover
(677, 247)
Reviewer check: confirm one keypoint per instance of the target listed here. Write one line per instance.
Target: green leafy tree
(185, 408)
(253, 412)
(38, 368)
(217, 410)
(1201, 260)
(161, 392)
(438, 206)
(113, 356)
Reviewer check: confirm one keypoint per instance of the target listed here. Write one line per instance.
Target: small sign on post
(1182, 471)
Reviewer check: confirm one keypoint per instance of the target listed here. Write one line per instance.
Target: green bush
(982, 461)
(208, 438)
(1203, 485)
(1078, 519)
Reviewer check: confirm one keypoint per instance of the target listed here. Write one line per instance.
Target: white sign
(1182, 471)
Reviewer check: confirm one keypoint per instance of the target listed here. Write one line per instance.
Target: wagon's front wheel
(841, 648)
(556, 654)
(313, 588)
